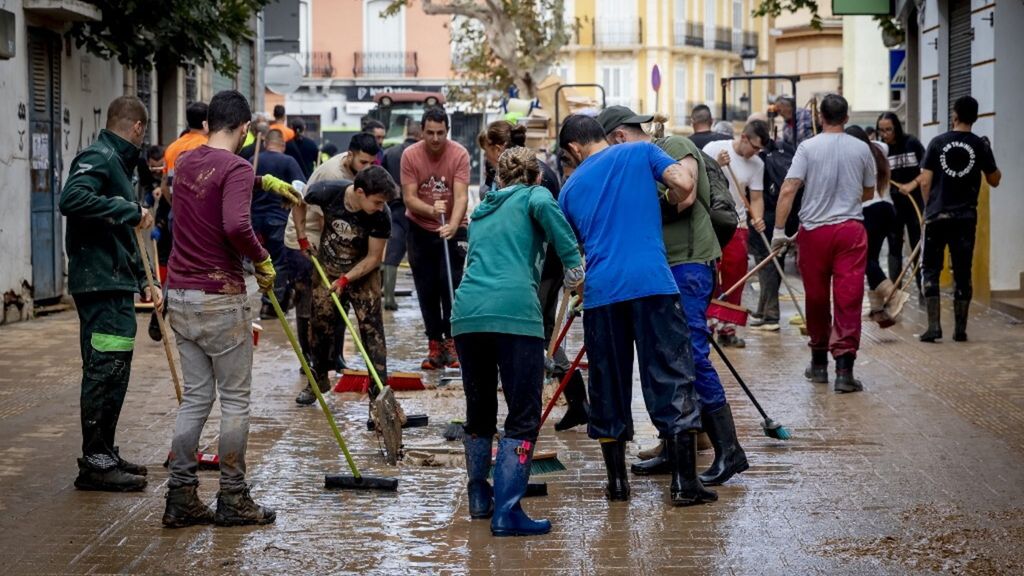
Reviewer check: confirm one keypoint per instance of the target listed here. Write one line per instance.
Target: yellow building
(694, 43)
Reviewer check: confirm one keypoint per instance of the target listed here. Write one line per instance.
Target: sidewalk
(922, 473)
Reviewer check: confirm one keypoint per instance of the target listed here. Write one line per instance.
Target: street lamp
(749, 57)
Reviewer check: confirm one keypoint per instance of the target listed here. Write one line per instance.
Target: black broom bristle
(347, 482)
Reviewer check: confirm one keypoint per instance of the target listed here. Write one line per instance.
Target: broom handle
(156, 246)
(256, 155)
(753, 271)
(562, 385)
(348, 324)
(739, 379)
(312, 383)
(159, 315)
(559, 318)
(565, 328)
(911, 262)
(448, 264)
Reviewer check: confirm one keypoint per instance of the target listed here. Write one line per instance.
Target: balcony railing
(616, 32)
(694, 34)
(319, 65)
(385, 64)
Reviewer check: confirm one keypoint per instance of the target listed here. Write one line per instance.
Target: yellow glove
(265, 275)
(283, 189)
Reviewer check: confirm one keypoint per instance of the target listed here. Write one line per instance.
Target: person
(692, 248)
(435, 185)
(725, 128)
(280, 122)
(797, 124)
(905, 156)
(395, 251)
(149, 168)
(879, 218)
(303, 149)
(269, 217)
(630, 297)
(257, 131)
(838, 173)
(104, 274)
(701, 120)
(357, 225)
(194, 136)
(210, 316)
(743, 167)
(150, 171)
(498, 329)
(379, 131)
(950, 183)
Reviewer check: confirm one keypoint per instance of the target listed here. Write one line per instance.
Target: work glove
(305, 246)
(574, 277)
(265, 275)
(339, 285)
(283, 189)
(780, 240)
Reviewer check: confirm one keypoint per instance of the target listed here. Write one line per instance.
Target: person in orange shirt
(195, 137)
(279, 123)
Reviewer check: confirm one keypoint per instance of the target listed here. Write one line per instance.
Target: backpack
(722, 209)
(777, 159)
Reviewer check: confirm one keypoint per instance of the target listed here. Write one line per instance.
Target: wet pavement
(922, 473)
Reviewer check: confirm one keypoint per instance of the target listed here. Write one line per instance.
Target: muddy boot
(654, 466)
(729, 456)
(960, 310)
(876, 298)
(934, 331)
(451, 355)
(307, 396)
(648, 453)
(686, 488)
(845, 382)
(511, 473)
(478, 466)
(184, 508)
(390, 275)
(578, 412)
(731, 340)
(435, 359)
(817, 370)
(615, 462)
(100, 472)
(238, 509)
(129, 467)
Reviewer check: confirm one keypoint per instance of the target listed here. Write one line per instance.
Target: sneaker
(184, 508)
(451, 354)
(129, 467)
(107, 479)
(731, 341)
(764, 325)
(435, 359)
(239, 509)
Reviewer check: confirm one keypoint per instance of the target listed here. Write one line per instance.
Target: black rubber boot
(960, 310)
(686, 488)
(578, 411)
(845, 382)
(729, 456)
(934, 331)
(184, 508)
(129, 467)
(653, 466)
(107, 478)
(389, 275)
(238, 509)
(615, 462)
(817, 370)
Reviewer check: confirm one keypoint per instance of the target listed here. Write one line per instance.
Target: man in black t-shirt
(950, 183)
(357, 225)
(701, 120)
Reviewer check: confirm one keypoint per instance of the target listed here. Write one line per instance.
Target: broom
(772, 429)
(724, 311)
(359, 381)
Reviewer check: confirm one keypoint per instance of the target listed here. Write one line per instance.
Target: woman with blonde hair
(497, 325)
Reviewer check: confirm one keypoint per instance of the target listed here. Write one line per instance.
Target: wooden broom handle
(753, 271)
(159, 315)
(556, 335)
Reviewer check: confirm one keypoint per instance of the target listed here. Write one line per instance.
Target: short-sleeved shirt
(611, 201)
(835, 168)
(905, 157)
(346, 236)
(702, 139)
(749, 172)
(188, 141)
(957, 161)
(285, 131)
(267, 206)
(434, 177)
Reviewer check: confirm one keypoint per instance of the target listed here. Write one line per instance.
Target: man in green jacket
(104, 274)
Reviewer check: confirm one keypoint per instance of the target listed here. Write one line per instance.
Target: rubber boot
(578, 411)
(478, 466)
(960, 310)
(615, 462)
(237, 508)
(845, 382)
(107, 478)
(877, 298)
(729, 456)
(817, 370)
(934, 331)
(511, 473)
(129, 467)
(657, 465)
(893, 298)
(307, 397)
(390, 275)
(686, 488)
(184, 508)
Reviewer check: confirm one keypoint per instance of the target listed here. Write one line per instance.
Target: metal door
(961, 34)
(46, 163)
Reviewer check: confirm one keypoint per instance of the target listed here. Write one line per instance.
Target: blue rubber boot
(511, 473)
(478, 466)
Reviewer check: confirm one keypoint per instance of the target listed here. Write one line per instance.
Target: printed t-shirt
(956, 160)
(332, 169)
(434, 177)
(346, 236)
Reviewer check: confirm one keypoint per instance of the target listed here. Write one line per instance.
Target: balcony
(401, 64)
(615, 32)
(318, 65)
(724, 39)
(694, 35)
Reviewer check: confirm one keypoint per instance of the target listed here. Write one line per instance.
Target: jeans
(957, 234)
(430, 276)
(696, 282)
(214, 337)
(271, 235)
(395, 250)
(768, 276)
(879, 220)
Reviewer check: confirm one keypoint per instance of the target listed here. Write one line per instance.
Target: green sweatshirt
(507, 237)
(101, 206)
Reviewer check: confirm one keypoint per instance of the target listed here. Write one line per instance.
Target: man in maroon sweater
(211, 314)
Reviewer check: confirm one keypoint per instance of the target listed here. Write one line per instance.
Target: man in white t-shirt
(838, 174)
(745, 171)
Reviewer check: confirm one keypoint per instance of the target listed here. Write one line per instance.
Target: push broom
(772, 429)
(724, 311)
(338, 481)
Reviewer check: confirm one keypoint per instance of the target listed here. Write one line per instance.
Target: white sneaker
(764, 326)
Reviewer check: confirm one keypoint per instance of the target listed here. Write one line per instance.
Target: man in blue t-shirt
(630, 297)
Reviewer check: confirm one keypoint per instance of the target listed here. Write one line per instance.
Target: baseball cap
(614, 116)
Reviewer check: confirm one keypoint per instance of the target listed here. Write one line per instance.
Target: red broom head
(726, 312)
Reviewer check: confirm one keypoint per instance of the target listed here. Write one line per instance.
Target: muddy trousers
(363, 296)
(958, 235)
(520, 362)
(696, 282)
(430, 276)
(107, 339)
(657, 327)
(214, 337)
(879, 220)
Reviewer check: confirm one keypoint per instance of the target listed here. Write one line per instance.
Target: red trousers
(731, 268)
(832, 261)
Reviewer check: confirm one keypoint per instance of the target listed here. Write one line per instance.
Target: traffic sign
(897, 69)
(656, 78)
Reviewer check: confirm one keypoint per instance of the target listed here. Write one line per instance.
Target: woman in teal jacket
(498, 328)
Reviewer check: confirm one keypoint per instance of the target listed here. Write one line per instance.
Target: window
(737, 25)
(709, 87)
(681, 108)
(618, 84)
(562, 71)
(679, 22)
(617, 23)
(384, 41)
(709, 24)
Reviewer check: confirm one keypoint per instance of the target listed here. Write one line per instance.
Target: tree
(169, 34)
(892, 33)
(502, 43)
